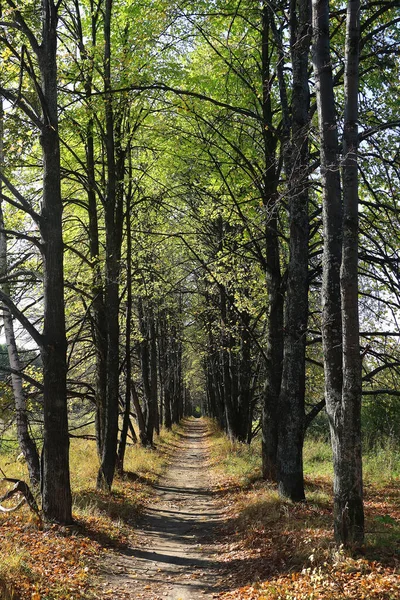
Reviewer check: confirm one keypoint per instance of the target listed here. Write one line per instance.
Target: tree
(291, 410)
(56, 492)
(27, 444)
(340, 327)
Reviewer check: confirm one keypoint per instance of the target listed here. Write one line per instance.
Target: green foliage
(381, 422)
(197, 412)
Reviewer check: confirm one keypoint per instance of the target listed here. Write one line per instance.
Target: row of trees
(179, 181)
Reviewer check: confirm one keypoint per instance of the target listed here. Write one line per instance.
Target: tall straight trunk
(291, 399)
(274, 354)
(128, 328)
(113, 250)
(160, 371)
(163, 344)
(56, 491)
(245, 395)
(55, 481)
(339, 286)
(348, 489)
(180, 387)
(26, 443)
(174, 373)
(153, 416)
(148, 361)
(97, 310)
(139, 413)
(274, 349)
(225, 367)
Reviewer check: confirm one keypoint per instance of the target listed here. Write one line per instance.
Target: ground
(211, 528)
(174, 556)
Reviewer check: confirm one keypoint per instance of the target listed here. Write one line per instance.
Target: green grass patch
(382, 464)
(240, 462)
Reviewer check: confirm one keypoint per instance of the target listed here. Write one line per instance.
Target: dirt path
(173, 558)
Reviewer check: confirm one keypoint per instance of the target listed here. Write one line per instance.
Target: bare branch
(23, 202)
(25, 322)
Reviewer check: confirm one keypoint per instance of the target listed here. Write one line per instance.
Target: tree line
(198, 206)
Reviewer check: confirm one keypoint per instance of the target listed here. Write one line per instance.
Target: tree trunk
(340, 293)
(291, 399)
(97, 309)
(128, 328)
(274, 349)
(56, 491)
(348, 487)
(113, 226)
(27, 444)
(154, 415)
(148, 361)
(274, 353)
(139, 414)
(245, 394)
(163, 351)
(98, 312)
(225, 367)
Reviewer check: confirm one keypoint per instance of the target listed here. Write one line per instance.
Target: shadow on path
(172, 558)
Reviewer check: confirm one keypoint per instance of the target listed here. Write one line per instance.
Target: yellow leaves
(5, 55)
(46, 564)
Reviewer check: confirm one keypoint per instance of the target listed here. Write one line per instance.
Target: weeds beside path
(276, 550)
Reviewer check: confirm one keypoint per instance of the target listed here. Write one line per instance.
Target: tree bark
(348, 487)
(56, 491)
(97, 310)
(128, 328)
(27, 444)
(148, 361)
(339, 286)
(274, 349)
(291, 399)
(163, 352)
(113, 226)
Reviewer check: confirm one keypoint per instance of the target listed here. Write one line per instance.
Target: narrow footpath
(174, 558)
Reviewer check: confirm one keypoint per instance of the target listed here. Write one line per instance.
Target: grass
(242, 463)
(382, 464)
(278, 550)
(14, 565)
(283, 550)
(239, 462)
(57, 563)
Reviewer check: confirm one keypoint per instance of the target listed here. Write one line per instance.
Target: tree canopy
(179, 181)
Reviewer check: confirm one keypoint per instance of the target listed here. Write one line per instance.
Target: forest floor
(205, 536)
(174, 555)
(192, 519)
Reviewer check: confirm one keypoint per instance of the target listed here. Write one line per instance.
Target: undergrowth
(275, 549)
(278, 550)
(57, 563)
(242, 462)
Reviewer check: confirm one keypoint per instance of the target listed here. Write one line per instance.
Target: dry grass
(57, 563)
(277, 550)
